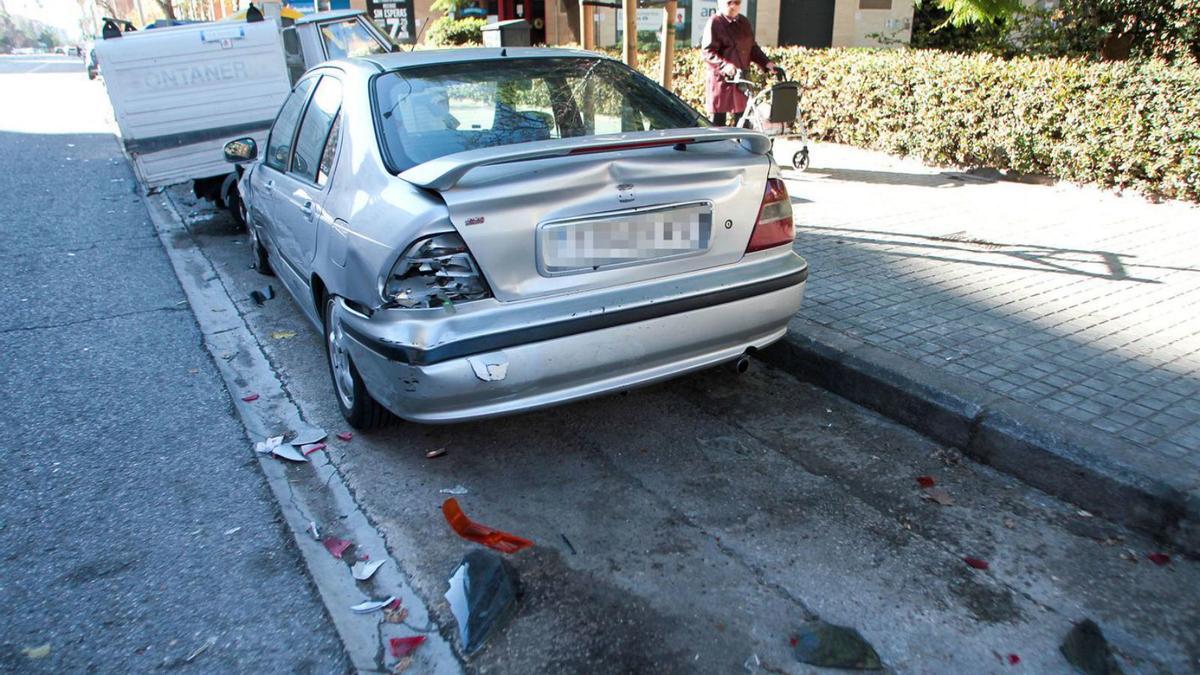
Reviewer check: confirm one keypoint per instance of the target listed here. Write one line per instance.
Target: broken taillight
(774, 226)
(434, 272)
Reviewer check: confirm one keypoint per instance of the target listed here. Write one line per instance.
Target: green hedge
(1128, 124)
(450, 32)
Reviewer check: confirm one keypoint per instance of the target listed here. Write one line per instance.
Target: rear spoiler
(444, 173)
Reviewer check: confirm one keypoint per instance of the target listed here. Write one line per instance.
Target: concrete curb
(1058, 456)
(311, 492)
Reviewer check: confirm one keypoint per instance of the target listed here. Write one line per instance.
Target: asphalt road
(135, 526)
(707, 518)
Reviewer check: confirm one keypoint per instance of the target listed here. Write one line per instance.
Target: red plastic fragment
(1013, 659)
(336, 547)
(976, 563)
(345, 436)
(405, 646)
(393, 605)
(248, 398)
(1159, 558)
(793, 641)
(313, 448)
(926, 481)
(481, 534)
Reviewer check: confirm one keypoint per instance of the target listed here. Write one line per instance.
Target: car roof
(329, 16)
(422, 57)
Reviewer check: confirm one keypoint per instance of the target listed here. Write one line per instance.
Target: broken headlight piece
(435, 272)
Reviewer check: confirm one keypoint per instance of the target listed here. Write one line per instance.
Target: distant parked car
(483, 231)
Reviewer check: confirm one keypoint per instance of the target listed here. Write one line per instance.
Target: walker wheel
(800, 160)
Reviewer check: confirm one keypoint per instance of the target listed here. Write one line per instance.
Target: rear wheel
(357, 406)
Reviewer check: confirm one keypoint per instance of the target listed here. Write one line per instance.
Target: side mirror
(241, 150)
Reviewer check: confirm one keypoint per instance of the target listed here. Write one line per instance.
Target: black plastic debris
(482, 596)
(259, 296)
(1087, 650)
(829, 646)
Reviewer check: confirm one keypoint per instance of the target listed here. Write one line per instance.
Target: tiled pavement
(1081, 302)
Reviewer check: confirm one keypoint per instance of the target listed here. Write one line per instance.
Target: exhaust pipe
(740, 365)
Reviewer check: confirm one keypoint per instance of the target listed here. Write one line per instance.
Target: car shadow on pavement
(1082, 262)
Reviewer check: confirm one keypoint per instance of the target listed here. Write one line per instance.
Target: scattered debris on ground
(926, 481)
(405, 646)
(313, 530)
(250, 398)
(372, 605)
(395, 612)
(482, 597)
(570, 546)
(267, 446)
(289, 453)
(310, 449)
(977, 563)
(306, 436)
(1087, 650)
(481, 534)
(345, 436)
(336, 547)
(35, 653)
(275, 446)
(200, 650)
(364, 570)
(829, 646)
(262, 295)
(938, 496)
(1159, 559)
(456, 490)
(434, 454)
(283, 334)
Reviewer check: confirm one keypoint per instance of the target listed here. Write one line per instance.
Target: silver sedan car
(484, 231)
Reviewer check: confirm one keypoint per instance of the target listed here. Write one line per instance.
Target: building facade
(808, 23)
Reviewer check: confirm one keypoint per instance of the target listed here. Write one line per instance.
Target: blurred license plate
(623, 238)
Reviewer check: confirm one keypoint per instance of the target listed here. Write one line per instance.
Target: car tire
(259, 259)
(358, 407)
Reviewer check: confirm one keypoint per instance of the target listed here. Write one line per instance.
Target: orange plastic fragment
(481, 534)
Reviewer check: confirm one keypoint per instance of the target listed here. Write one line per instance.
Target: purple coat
(728, 41)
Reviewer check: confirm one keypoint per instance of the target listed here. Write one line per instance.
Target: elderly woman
(728, 47)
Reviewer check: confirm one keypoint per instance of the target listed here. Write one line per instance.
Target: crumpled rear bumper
(489, 358)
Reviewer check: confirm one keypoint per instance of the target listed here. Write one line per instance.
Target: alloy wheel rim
(339, 362)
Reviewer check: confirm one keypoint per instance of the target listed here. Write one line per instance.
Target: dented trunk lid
(639, 199)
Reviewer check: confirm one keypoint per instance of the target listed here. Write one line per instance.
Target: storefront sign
(394, 17)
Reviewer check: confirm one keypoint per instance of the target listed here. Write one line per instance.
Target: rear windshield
(430, 111)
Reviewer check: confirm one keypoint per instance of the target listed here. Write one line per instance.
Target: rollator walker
(774, 111)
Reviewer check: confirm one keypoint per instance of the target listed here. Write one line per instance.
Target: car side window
(293, 54)
(314, 128)
(330, 153)
(279, 143)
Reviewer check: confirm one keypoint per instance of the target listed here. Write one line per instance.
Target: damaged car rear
(480, 232)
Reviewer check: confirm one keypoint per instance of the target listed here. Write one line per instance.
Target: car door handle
(307, 209)
(269, 186)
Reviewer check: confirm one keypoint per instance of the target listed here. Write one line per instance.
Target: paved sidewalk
(1080, 303)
